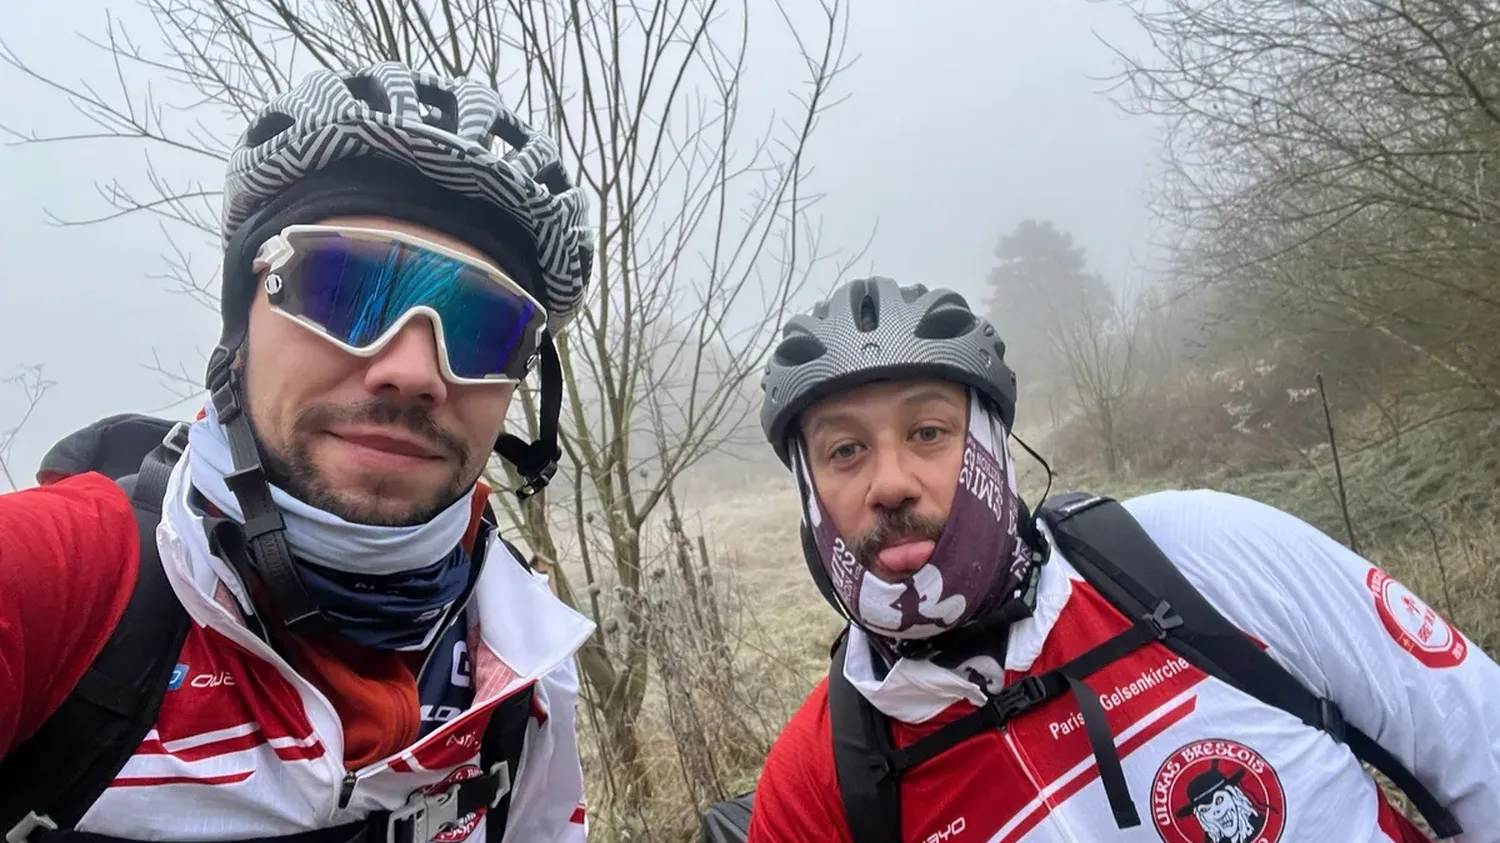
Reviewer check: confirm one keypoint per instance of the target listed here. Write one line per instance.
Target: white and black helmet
(873, 329)
(454, 133)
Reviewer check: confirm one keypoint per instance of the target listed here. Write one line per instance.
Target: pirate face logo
(1217, 791)
(464, 827)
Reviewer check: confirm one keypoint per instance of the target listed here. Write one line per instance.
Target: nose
(407, 368)
(892, 484)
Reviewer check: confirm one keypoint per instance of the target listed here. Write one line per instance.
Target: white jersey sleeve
(547, 805)
(1396, 668)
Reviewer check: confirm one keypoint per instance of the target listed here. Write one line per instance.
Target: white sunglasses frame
(276, 252)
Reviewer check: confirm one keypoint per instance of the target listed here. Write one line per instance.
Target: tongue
(908, 557)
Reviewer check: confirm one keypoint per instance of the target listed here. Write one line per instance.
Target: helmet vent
(267, 128)
(945, 323)
(798, 350)
(368, 91)
(440, 107)
(868, 315)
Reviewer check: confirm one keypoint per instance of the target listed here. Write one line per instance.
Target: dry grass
(714, 706)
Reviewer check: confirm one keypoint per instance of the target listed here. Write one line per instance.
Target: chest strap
(1032, 691)
(422, 818)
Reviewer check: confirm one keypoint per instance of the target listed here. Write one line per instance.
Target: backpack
(728, 821)
(1118, 558)
(48, 782)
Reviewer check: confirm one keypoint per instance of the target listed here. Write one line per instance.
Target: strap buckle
(1015, 699)
(224, 393)
(1332, 718)
(500, 772)
(1162, 619)
(176, 440)
(423, 817)
(537, 480)
(28, 824)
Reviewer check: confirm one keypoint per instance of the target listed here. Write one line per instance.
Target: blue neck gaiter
(400, 611)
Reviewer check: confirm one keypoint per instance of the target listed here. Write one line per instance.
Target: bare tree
(1096, 342)
(33, 386)
(1331, 168)
(703, 205)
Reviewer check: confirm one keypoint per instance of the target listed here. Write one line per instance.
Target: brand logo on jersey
(1220, 792)
(440, 713)
(462, 672)
(179, 675)
(212, 680)
(948, 833)
(1414, 625)
(465, 825)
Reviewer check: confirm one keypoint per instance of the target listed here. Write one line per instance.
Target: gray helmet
(873, 329)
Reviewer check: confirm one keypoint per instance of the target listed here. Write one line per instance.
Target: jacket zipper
(346, 792)
(351, 777)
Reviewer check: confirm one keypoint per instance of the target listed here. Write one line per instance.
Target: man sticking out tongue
(995, 683)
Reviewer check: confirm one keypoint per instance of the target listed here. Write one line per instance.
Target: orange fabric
(373, 691)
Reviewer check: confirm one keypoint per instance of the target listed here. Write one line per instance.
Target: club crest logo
(465, 826)
(1414, 625)
(1217, 791)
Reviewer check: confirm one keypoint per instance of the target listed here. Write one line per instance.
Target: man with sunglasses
(297, 619)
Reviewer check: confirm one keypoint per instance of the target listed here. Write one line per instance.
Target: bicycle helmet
(455, 134)
(873, 329)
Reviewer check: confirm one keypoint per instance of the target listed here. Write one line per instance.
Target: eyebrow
(928, 394)
(832, 418)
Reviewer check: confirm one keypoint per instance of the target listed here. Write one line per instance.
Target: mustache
(383, 412)
(891, 524)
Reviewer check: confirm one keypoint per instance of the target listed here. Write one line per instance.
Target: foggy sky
(964, 118)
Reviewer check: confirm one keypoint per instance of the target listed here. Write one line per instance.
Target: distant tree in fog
(1034, 291)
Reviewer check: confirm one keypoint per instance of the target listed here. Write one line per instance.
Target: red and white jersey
(1204, 761)
(245, 747)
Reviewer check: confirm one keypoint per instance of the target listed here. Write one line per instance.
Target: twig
(1338, 467)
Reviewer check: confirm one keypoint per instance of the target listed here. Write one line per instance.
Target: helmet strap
(536, 461)
(264, 530)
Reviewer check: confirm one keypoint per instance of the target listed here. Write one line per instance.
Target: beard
(292, 470)
(903, 523)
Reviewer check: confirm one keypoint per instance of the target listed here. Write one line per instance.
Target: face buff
(978, 561)
(388, 588)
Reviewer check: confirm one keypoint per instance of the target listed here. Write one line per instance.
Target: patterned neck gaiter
(977, 563)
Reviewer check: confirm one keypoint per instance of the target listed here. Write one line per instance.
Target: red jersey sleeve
(68, 558)
(797, 799)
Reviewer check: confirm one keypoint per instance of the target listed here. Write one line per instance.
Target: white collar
(521, 620)
(915, 691)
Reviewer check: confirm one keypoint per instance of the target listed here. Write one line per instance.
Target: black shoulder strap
(502, 744)
(505, 738)
(515, 553)
(862, 748)
(62, 769)
(728, 821)
(1136, 576)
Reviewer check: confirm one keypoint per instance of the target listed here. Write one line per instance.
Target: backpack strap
(1135, 575)
(728, 820)
(862, 749)
(870, 768)
(500, 753)
(50, 780)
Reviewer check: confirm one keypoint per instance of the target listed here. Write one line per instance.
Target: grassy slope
(1424, 510)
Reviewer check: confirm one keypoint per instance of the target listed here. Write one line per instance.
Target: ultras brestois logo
(1217, 791)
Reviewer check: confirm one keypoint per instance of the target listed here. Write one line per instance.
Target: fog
(959, 123)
